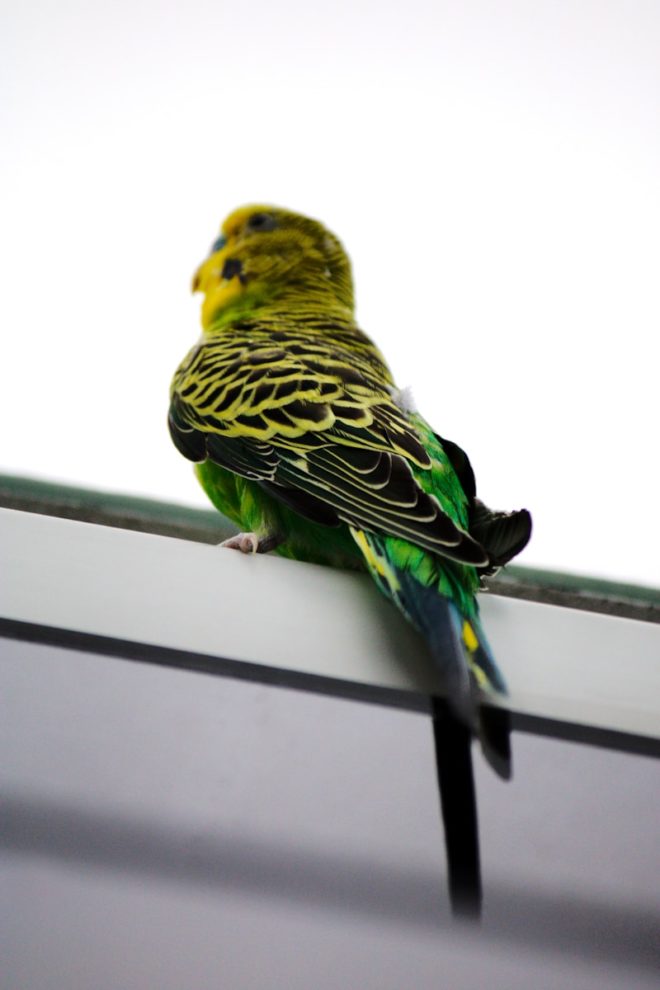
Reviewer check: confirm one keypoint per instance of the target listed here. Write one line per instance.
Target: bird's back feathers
(255, 402)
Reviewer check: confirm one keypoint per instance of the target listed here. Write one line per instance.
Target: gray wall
(169, 829)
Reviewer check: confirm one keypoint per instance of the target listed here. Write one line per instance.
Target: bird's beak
(196, 284)
(218, 290)
(200, 278)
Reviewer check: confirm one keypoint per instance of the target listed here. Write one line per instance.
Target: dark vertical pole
(459, 810)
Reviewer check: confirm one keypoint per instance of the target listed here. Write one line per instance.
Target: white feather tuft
(403, 398)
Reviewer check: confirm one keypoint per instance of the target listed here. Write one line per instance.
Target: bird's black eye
(231, 268)
(261, 221)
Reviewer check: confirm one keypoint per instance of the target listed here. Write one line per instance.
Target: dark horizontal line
(206, 663)
(336, 687)
(589, 735)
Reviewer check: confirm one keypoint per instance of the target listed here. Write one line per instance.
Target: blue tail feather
(458, 645)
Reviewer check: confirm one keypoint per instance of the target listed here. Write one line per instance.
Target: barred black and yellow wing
(313, 420)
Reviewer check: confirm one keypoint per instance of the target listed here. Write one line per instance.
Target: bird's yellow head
(267, 256)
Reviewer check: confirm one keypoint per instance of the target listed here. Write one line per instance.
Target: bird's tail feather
(460, 648)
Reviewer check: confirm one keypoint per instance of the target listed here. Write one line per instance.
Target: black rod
(459, 810)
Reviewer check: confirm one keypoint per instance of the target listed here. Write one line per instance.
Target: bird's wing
(317, 427)
(502, 534)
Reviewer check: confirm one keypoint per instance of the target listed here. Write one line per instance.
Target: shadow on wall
(320, 879)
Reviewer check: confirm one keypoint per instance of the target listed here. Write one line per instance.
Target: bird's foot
(251, 543)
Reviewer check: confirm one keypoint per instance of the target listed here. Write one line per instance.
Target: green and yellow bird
(301, 437)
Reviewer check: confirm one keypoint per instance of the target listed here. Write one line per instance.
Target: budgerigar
(301, 437)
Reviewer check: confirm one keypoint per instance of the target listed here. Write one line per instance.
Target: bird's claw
(250, 543)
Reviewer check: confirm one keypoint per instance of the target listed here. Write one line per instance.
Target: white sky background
(492, 167)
